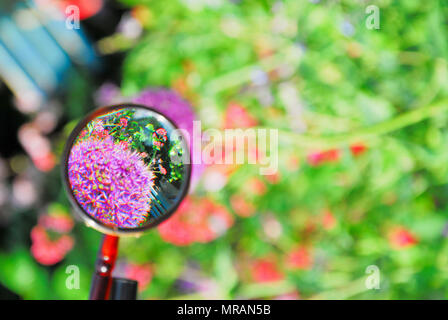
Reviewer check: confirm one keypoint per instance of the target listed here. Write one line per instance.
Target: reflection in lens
(120, 169)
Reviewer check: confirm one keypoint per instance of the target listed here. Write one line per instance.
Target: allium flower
(111, 182)
(171, 105)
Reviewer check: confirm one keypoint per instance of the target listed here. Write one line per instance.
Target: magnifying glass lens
(127, 168)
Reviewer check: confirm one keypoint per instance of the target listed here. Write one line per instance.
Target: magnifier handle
(105, 262)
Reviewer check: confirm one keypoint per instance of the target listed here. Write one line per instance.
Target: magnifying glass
(126, 168)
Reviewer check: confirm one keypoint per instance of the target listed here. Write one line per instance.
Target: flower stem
(367, 133)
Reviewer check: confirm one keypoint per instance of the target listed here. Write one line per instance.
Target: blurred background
(362, 185)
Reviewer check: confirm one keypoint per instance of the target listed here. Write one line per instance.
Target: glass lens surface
(127, 167)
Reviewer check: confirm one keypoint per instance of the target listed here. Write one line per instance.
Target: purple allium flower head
(110, 181)
(170, 104)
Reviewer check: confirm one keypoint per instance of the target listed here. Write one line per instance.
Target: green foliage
(386, 89)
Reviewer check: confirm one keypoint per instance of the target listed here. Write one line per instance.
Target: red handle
(105, 262)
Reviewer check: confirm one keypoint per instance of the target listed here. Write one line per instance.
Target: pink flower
(162, 170)
(238, 117)
(46, 251)
(256, 186)
(44, 162)
(328, 220)
(321, 157)
(241, 206)
(142, 273)
(57, 222)
(401, 238)
(197, 220)
(273, 178)
(300, 258)
(159, 137)
(161, 132)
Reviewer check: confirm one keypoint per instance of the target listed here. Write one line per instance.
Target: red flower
(328, 220)
(321, 157)
(273, 178)
(56, 221)
(256, 186)
(49, 241)
(197, 220)
(161, 131)
(300, 258)
(87, 8)
(241, 206)
(264, 270)
(123, 122)
(238, 117)
(44, 162)
(400, 238)
(142, 273)
(47, 251)
(358, 148)
(162, 170)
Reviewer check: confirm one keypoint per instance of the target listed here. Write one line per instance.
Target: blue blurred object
(37, 50)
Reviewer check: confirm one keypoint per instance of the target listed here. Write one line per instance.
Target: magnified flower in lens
(110, 181)
(159, 138)
(173, 106)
